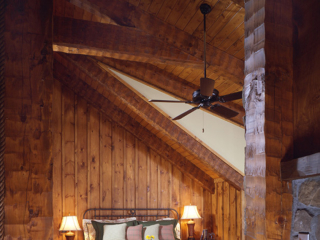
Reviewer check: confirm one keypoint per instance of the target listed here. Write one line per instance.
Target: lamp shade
(190, 212)
(70, 223)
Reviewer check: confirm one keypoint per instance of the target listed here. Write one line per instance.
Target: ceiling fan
(207, 94)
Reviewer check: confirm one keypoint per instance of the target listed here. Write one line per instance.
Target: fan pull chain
(202, 121)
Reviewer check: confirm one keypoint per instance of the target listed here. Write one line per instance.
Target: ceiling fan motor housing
(206, 86)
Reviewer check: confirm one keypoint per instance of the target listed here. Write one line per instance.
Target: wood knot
(281, 220)
(23, 118)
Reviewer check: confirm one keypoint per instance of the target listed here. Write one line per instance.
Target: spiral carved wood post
(2, 133)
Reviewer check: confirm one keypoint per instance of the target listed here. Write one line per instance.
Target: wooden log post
(2, 117)
(28, 112)
(268, 104)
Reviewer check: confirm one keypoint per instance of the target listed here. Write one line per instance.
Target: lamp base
(70, 235)
(191, 229)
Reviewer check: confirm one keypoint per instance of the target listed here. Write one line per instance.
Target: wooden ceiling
(161, 43)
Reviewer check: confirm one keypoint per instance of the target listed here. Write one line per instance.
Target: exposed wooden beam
(303, 167)
(96, 11)
(75, 81)
(239, 2)
(166, 81)
(125, 14)
(98, 39)
(109, 85)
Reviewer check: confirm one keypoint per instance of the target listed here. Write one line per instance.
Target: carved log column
(28, 113)
(268, 103)
(2, 117)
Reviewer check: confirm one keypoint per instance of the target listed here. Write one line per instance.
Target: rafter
(97, 39)
(165, 81)
(74, 80)
(125, 14)
(111, 87)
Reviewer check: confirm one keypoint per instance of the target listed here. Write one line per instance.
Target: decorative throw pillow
(177, 231)
(85, 228)
(98, 227)
(176, 228)
(166, 232)
(174, 222)
(91, 232)
(152, 230)
(134, 233)
(114, 232)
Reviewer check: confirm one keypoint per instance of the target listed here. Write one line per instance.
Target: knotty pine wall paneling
(226, 212)
(98, 163)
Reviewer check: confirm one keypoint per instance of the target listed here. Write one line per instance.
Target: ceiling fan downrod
(206, 84)
(205, 9)
(207, 96)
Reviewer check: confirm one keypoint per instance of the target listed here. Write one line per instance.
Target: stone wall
(306, 207)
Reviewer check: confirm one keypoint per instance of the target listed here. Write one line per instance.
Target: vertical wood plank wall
(97, 163)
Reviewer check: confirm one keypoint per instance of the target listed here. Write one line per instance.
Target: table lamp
(70, 223)
(190, 212)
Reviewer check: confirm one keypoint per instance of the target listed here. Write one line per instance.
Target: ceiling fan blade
(206, 86)
(174, 101)
(223, 111)
(185, 113)
(231, 97)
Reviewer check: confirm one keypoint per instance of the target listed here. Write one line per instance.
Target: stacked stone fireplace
(306, 208)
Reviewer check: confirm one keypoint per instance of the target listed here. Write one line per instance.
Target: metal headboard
(130, 212)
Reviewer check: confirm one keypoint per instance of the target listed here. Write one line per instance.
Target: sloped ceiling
(222, 137)
(159, 42)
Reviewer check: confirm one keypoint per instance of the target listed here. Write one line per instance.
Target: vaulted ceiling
(159, 42)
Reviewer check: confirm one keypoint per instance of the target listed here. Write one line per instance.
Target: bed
(131, 224)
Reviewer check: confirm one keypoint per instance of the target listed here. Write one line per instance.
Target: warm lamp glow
(190, 212)
(70, 223)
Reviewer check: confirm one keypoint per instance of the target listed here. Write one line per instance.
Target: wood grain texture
(279, 109)
(98, 78)
(97, 39)
(303, 167)
(57, 155)
(130, 16)
(147, 137)
(226, 212)
(28, 157)
(139, 176)
(306, 82)
(269, 117)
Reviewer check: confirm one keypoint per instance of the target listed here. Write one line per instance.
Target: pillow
(152, 230)
(134, 233)
(98, 227)
(91, 232)
(176, 229)
(174, 222)
(87, 226)
(166, 232)
(114, 232)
